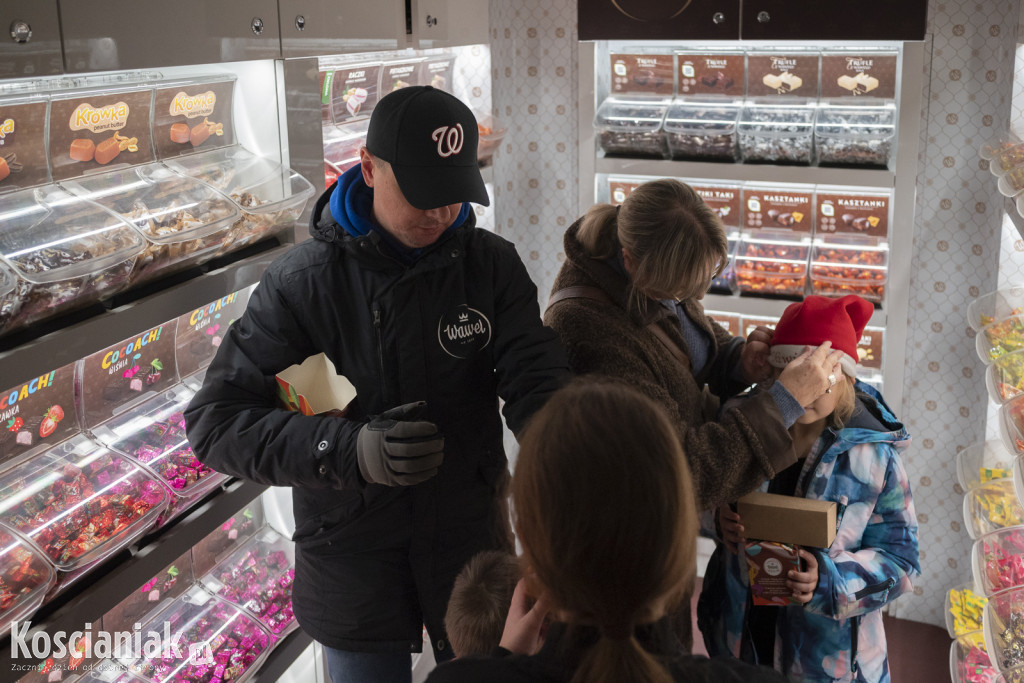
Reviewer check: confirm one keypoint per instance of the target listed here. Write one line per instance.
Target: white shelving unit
(900, 177)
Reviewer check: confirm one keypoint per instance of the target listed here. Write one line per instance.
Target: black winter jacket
(457, 329)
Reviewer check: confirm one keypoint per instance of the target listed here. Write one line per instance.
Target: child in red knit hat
(848, 444)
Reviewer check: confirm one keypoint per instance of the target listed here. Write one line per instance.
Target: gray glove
(399, 447)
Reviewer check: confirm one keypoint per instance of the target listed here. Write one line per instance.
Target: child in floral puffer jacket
(848, 442)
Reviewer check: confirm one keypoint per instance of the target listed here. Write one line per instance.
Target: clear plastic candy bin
(1003, 621)
(963, 609)
(492, 131)
(1011, 424)
(1000, 338)
(768, 263)
(66, 252)
(185, 222)
(1004, 378)
(216, 641)
(79, 502)
(632, 126)
(969, 661)
(269, 196)
(995, 306)
(981, 463)
(998, 560)
(702, 131)
(855, 136)
(153, 435)
(25, 578)
(777, 133)
(990, 507)
(258, 577)
(839, 268)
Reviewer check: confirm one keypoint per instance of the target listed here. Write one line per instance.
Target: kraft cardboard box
(314, 387)
(786, 519)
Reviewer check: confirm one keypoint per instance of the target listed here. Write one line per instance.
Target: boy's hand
(525, 625)
(731, 527)
(804, 583)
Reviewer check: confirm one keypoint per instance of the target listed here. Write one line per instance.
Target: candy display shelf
(121, 575)
(766, 308)
(898, 178)
(64, 345)
(879, 178)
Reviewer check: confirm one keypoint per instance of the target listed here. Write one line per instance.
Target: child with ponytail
(604, 509)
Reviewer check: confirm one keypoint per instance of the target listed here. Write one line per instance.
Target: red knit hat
(818, 319)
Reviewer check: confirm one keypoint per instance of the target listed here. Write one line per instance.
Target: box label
(128, 372)
(642, 74)
(793, 75)
(873, 75)
(200, 331)
(437, 73)
(399, 75)
(39, 411)
(853, 214)
(193, 118)
(711, 74)
(778, 210)
(22, 146)
(618, 190)
(99, 132)
(354, 92)
(869, 348)
(724, 200)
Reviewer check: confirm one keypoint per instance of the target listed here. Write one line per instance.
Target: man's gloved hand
(399, 447)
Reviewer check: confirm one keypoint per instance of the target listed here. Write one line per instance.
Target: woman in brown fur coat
(626, 304)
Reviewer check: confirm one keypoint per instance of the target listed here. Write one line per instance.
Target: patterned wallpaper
(968, 86)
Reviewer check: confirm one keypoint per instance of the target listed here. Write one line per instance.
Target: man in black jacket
(432, 320)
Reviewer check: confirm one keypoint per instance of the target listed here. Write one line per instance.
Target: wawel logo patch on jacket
(463, 331)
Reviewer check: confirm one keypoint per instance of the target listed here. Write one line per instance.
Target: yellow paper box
(314, 387)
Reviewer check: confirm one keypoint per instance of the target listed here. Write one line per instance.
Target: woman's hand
(525, 625)
(806, 376)
(754, 357)
(731, 528)
(804, 583)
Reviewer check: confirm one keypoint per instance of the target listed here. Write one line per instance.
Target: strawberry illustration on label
(47, 666)
(49, 425)
(79, 653)
(14, 424)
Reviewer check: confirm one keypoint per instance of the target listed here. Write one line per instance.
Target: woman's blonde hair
(605, 511)
(846, 403)
(676, 241)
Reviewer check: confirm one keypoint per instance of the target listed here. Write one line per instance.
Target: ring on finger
(832, 379)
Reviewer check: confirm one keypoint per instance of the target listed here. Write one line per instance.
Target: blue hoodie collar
(352, 207)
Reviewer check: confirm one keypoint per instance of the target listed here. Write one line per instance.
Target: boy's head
(815, 320)
(479, 602)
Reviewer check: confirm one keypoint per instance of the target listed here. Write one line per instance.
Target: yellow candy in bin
(1000, 338)
(992, 506)
(1005, 377)
(963, 610)
(983, 462)
(995, 306)
(1011, 424)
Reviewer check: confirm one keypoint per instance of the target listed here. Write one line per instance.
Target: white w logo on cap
(449, 140)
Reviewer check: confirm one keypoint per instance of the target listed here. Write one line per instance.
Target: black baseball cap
(429, 137)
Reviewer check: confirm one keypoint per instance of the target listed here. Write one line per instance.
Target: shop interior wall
(967, 84)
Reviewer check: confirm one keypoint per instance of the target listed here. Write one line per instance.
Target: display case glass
(183, 221)
(258, 577)
(66, 252)
(79, 502)
(632, 126)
